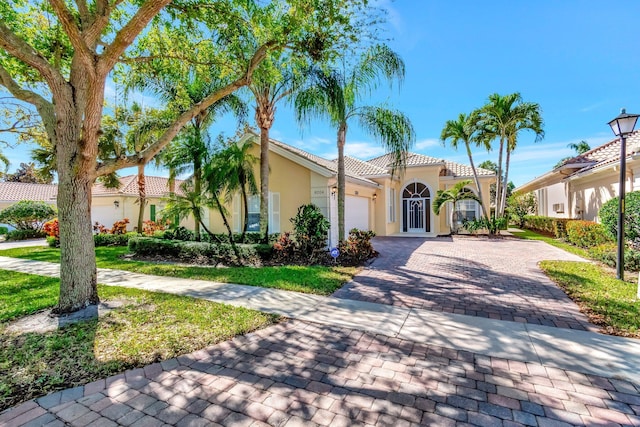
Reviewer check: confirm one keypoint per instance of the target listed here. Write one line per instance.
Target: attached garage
(356, 213)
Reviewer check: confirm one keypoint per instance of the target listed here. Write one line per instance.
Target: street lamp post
(622, 126)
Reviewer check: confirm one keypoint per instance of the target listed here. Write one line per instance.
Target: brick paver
(474, 276)
(276, 377)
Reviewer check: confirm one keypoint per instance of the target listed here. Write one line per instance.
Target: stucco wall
(104, 211)
(590, 193)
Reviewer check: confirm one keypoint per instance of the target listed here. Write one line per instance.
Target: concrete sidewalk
(584, 352)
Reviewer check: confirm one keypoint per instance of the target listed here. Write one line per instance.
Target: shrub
(609, 217)
(607, 253)
(151, 227)
(357, 248)
(52, 228)
(201, 252)
(548, 225)
(519, 205)
(3, 231)
(25, 234)
(53, 242)
(311, 230)
(492, 225)
(586, 234)
(284, 250)
(27, 215)
(113, 239)
(120, 227)
(179, 233)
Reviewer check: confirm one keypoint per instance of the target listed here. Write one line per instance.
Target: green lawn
(149, 327)
(315, 279)
(532, 235)
(607, 301)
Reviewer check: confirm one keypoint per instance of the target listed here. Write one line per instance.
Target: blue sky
(577, 58)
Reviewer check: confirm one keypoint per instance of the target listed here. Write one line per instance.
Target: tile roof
(606, 153)
(331, 165)
(155, 186)
(16, 191)
(460, 170)
(360, 169)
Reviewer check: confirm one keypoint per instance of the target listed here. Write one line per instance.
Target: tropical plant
(519, 205)
(311, 231)
(579, 147)
(336, 94)
(454, 195)
(465, 130)
(27, 215)
(187, 203)
(503, 118)
(237, 165)
(275, 80)
(28, 173)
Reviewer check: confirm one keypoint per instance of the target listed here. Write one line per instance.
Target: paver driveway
(474, 276)
(298, 373)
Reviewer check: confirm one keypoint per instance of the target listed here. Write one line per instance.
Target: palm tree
(236, 164)
(580, 147)
(190, 202)
(336, 95)
(465, 130)
(454, 195)
(503, 118)
(189, 151)
(271, 83)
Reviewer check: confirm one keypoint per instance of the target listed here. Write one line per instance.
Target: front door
(415, 215)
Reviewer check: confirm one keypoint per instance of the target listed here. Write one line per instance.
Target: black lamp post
(622, 126)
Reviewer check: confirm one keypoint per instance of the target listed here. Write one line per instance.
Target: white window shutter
(274, 212)
(236, 213)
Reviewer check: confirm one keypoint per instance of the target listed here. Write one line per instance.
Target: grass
(532, 235)
(607, 301)
(149, 327)
(308, 279)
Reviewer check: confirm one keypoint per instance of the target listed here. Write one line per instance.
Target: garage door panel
(356, 213)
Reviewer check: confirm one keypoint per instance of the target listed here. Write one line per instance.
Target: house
(581, 185)
(108, 205)
(399, 205)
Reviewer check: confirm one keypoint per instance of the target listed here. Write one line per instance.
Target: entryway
(416, 208)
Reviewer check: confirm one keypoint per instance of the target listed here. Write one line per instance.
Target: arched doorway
(416, 208)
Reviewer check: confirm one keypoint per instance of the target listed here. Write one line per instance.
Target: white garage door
(356, 213)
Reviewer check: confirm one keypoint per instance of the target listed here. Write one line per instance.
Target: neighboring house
(581, 185)
(107, 205)
(390, 206)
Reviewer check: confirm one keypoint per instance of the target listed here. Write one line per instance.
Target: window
(467, 210)
(152, 212)
(392, 205)
(254, 213)
(253, 223)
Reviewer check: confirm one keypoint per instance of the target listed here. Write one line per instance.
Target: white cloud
(423, 144)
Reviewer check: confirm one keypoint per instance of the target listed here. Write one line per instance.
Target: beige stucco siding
(104, 211)
(590, 193)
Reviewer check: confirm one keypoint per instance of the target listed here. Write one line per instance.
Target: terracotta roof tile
(16, 191)
(414, 159)
(606, 153)
(155, 186)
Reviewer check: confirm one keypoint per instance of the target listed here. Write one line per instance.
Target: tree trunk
(142, 197)
(265, 113)
(342, 136)
(224, 218)
(499, 179)
(78, 285)
(197, 188)
(505, 185)
(245, 202)
(477, 181)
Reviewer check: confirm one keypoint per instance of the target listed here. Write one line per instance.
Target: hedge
(203, 252)
(607, 254)
(586, 234)
(545, 224)
(103, 239)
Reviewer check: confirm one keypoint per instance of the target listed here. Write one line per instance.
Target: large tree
(503, 118)
(58, 55)
(337, 93)
(465, 130)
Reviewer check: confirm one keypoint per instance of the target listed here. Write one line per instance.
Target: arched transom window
(416, 190)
